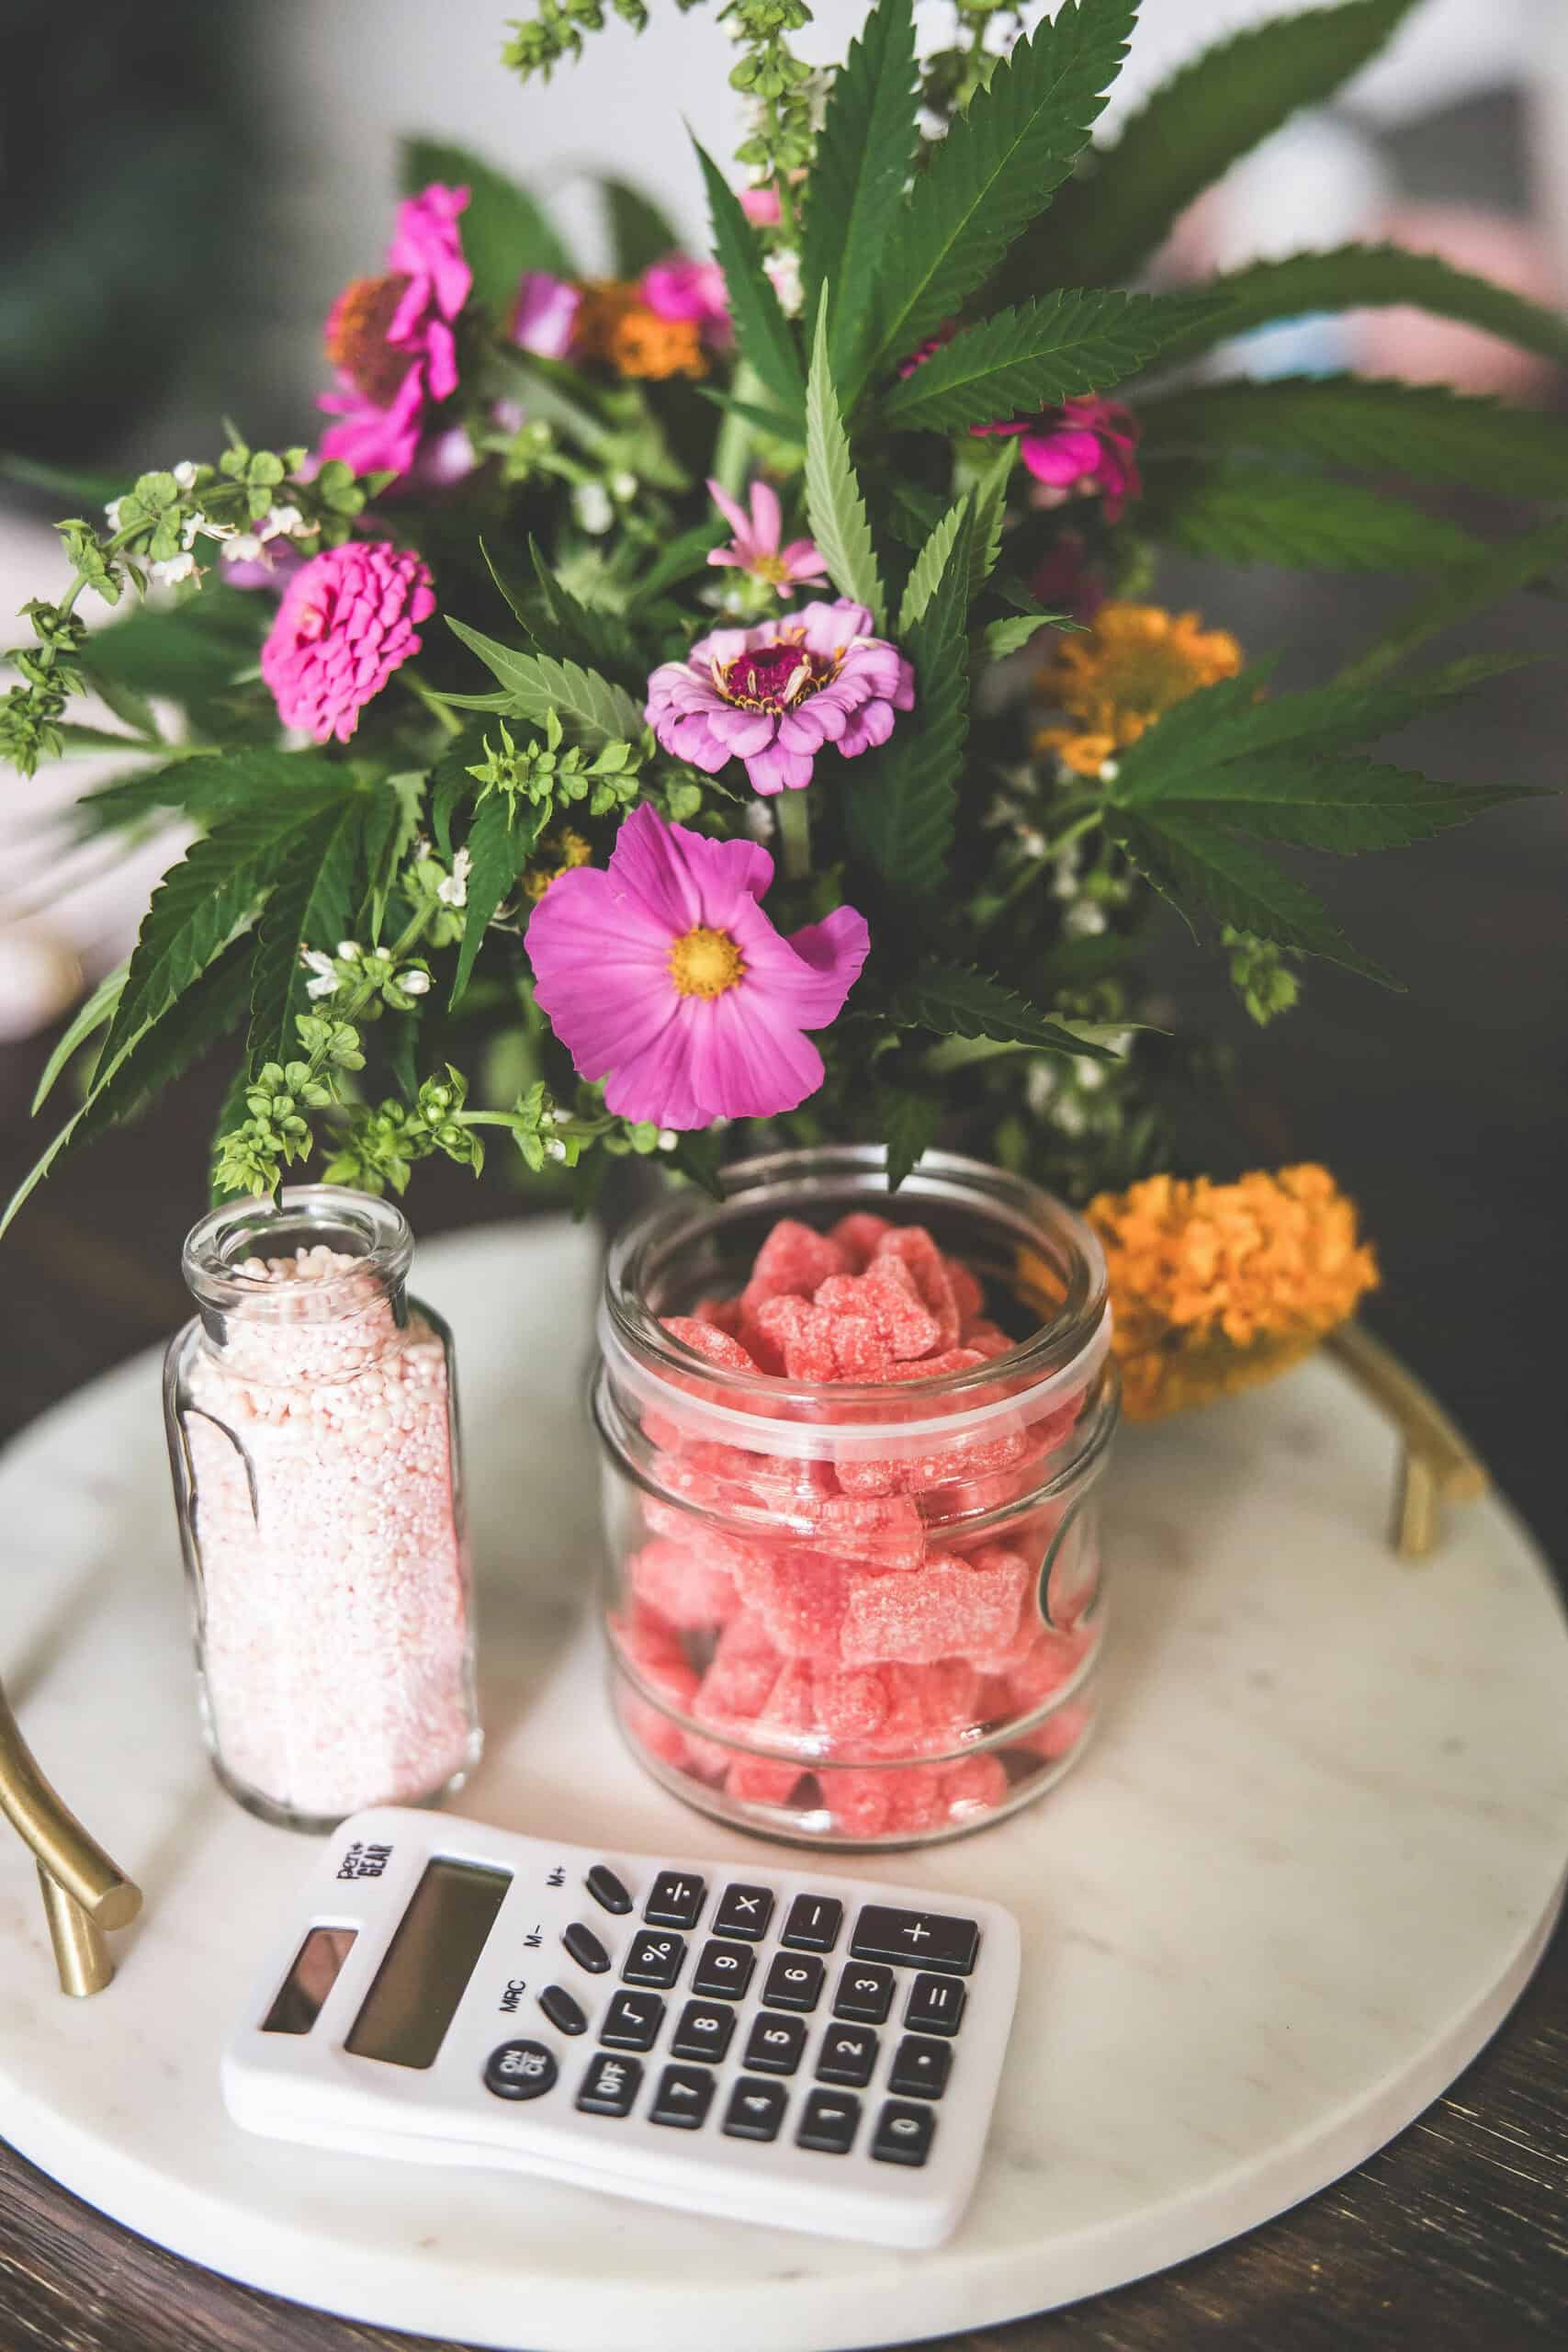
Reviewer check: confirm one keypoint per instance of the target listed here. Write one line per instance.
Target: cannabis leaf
(205, 784)
(500, 841)
(834, 511)
(996, 169)
(901, 814)
(855, 192)
(537, 684)
(956, 1000)
(503, 229)
(1253, 514)
(1195, 126)
(762, 329)
(929, 567)
(90, 1018)
(908, 1123)
(1530, 560)
(1027, 359)
(1201, 867)
(1009, 635)
(308, 906)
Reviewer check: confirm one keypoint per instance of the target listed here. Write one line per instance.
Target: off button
(520, 2070)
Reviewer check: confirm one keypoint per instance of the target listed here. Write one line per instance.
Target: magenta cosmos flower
(346, 623)
(391, 338)
(755, 547)
(663, 976)
(773, 696)
(1084, 449)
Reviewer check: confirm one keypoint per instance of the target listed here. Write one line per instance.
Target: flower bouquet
(728, 696)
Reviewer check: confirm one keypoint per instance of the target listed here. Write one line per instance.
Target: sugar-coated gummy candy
(930, 1708)
(886, 1531)
(793, 1261)
(969, 1293)
(724, 1314)
(914, 1246)
(976, 1784)
(800, 1599)
(988, 1339)
(743, 1668)
(851, 1703)
(654, 1731)
(708, 1340)
(696, 1536)
(653, 1647)
(690, 1588)
(762, 1780)
(857, 1236)
(887, 1295)
(1060, 1733)
(952, 1606)
(803, 1333)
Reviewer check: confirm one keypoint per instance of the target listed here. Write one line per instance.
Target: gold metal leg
(83, 1892)
(1436, 1465)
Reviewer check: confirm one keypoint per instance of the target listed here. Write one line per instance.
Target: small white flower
(1070, 1117)
(758, 820)
(454, 890)
(1084, 920)
(624, 487)
(185, 474)
(1109, 771)
(555, 1149)
(415, 983)
(1090, 1077)
(1043, 1084)
(783, 269)
(591, 504)
(245, 549)
(174, 569)
(189, 528)
(111, 513)
(1031, 840)
(560, 1118)
(349, 951)
(324, 983)
(668, 1138)
(281, 523)
(1065, 874)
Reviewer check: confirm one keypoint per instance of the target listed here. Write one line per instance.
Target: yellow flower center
(705, 962)
(1121, 677)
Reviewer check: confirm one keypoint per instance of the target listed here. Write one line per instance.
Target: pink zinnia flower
(755, 547)
(346, 623)
(773, 696)
(680, 288)
(391, 340)
(1084, 449)
(545, 314)
(664, 977)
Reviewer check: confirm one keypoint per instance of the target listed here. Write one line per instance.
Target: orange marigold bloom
(557, 853)
(1118, 677)
(614, 326)
(1218, 1286)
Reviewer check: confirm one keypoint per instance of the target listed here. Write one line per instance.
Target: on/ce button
(520, 2070)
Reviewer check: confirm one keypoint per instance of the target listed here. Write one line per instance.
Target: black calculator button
(704, 2032)
(520, 2070)
(676, 1900)
(632, 2021)
(654, 1960)
(755, 2110)
(562, 2010)
(743, 1911)
(935, 2005)
(904, 2134)
(849, 2055)
(865, 1993)
(813, 1924)
(830, 2123)
(610, 2085)
(586, 1949)
(795, 1982)
(918, 1939)
(775, 2044)
(724, 1969)
(606, 1888)
(682, 2098)
(920, 2068)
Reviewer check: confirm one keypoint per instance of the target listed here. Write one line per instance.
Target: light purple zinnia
(774, 694)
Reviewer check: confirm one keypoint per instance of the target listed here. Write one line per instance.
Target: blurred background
(186, 188)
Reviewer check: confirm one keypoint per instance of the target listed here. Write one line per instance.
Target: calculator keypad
(520, 2070)
(744, 1911)
(813, 1924)
(848, 2054)
(920, 2068)
(725, 1970)
(654, 1960)
(564, 2013)
(756, 2109)
(916, 1938)
(676, 1900)
(682, 2098)
(776, 2044)
(586, 1949)
(705, 2032)
(828, 2123)
(935, 2005)
(795, 1982)
(904, 2134)
(632, 2021)
(865, 1993)
(611, 2084)
(606, 1888)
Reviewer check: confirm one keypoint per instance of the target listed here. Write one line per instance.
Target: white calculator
(775, 2046)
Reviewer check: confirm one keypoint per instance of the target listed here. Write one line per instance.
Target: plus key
(917, 1939)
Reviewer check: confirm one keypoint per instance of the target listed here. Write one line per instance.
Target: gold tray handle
(83, 1892)
(1436, 1465)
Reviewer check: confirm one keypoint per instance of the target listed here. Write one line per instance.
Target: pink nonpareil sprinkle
(334, 1589)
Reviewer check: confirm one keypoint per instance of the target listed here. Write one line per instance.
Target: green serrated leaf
(768, 422)
(854, 194)
(1031, 359)
(996, 168)
(599, 711)
(89, 1019)
(834, 511)
(956, 1000)
(91, 742)
(684, 558)
(1205, 118)
(208, 784)
(902, 813)
(188, 651)
(392, 821)
(1203, 868)
(640, 233)
(762, 331)
(500, 841)
(503, 231)
(1469, 589)
(1253, 514)
(308, 906)
(1351, 278)
(929, 567)
(199, 904)
(908, 1123)
(1011, 634)
(1425, 431)
(451, 785)
(1317, 800)
(580, 633)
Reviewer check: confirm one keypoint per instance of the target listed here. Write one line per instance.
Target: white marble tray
(1308, 1867)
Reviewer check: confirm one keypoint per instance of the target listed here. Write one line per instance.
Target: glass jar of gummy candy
(853, 1450)
(311, 1417)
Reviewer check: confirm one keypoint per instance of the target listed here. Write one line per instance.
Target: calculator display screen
(428, 1963)
(318, 1963)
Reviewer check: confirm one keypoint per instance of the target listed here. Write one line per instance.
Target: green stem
(414, 684)
(735, 434)
(793, 818)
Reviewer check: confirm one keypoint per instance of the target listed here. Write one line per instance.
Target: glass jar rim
(373, 1232)
(1065, 1349)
